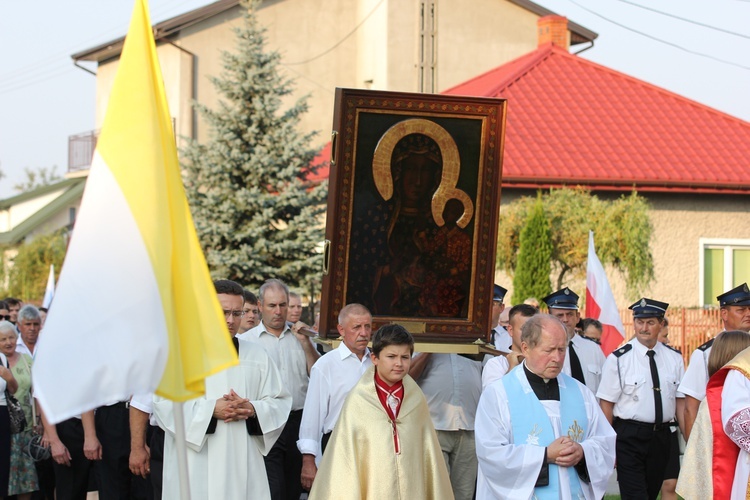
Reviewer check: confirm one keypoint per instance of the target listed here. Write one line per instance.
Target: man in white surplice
(233, 426)
(539, 432)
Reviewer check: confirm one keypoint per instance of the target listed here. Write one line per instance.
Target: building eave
(627, 185)
(40, 191)
(162, 30)
(18, 233)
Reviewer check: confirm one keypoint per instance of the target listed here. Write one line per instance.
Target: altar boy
(384, 444)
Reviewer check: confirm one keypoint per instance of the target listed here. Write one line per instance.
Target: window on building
(725, 264)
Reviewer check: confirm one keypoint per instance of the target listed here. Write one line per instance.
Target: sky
(44, 98)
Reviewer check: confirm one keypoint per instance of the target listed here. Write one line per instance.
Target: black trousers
(673, 465)
(71, 483)
(642, 456)
(156, 443)
(113, 431)
(45, 471)
(284, 462)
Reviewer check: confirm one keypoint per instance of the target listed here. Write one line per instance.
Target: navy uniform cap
(562, 299)
(499, 293)
(737, 296)
(649, 308)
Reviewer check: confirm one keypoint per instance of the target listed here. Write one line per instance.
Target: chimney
(553, 29)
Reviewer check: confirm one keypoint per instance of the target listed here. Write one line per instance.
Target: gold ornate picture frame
(413, 204)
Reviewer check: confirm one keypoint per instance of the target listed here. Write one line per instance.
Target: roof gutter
(585, 48)
(77, 65)
(650, 186)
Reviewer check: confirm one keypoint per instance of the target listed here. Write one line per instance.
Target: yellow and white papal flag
(135, 308)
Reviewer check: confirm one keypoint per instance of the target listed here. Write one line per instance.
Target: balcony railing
(81, 150)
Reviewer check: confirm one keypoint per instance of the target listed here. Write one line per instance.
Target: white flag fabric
(600, 302)
(49, 292)
(135, 309)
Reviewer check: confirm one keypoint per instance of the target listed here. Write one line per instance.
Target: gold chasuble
(360, 461)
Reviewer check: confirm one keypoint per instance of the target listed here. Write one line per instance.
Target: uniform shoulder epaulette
(622, 350)
(673, 349)
(706, 345)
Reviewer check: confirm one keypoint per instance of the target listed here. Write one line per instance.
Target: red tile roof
(571, 121)
(320, 165)
(574, 122)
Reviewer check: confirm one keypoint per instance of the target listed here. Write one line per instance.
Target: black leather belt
(653, 427)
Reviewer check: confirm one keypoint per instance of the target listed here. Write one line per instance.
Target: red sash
(725, 452)
(396, 390)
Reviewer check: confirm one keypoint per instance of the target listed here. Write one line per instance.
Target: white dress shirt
(3, 383)
(452, 385)
(592, 359)
(494, 370)
(502, 339)
(145, 403)
(331, 379)
(289, 357)
(630, 387)
(696, 375)
(21, 347)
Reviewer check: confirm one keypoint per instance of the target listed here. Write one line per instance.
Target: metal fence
(688, 328)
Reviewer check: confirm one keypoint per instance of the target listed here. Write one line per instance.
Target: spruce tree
(256, 213)
(534, 256)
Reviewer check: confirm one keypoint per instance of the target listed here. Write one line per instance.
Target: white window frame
(727, 244)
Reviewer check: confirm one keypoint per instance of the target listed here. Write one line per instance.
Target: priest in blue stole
(540, 433)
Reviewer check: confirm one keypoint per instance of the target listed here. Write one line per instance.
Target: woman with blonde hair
(726, 346)
(23, 479)
(696, 479)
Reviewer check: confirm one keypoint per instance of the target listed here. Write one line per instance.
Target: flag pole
(181, 448)
(49, 291)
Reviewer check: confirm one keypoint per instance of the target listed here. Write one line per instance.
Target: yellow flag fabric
(138, 143)
(135, 304)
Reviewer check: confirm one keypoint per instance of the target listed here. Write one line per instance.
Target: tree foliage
(27, 275)
(622, 232)
(40, 177)
(534, 256)
(256, 214)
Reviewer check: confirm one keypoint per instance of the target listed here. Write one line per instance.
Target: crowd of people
(548, 417)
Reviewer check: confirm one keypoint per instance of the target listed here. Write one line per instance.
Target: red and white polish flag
(600, 302)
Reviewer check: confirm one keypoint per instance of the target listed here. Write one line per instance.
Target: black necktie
(657, 389)
(575, 364)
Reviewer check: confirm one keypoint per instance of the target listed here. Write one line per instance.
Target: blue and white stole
(528, 418)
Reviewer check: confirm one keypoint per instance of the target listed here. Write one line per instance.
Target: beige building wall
(16, 214)
(326, 44)
(374, 44)
(179, 65)
(680, 221)
(475, 39)
(58, 221)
